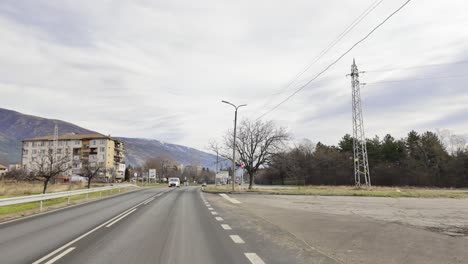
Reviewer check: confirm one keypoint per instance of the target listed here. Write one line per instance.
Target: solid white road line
(214, 213)
(225, 196)
(59, 256)
(254, 258)
(85, 235)
(149, 201)
(237, 239)
(219, 218)
(120, 218)
(226, 227)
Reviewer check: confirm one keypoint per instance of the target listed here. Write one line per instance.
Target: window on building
(77, 142)
(34, 144)
(34, 152)
(25, 152)
(42, 143)
(93, 142)
(59, 151)
(42, 151)
(102, 149)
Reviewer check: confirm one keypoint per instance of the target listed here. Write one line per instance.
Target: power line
(419, 79)
(419, 66)
(335, 61)
(332, 44)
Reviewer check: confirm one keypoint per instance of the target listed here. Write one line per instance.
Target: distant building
(3, 170)
(95, 148)
(222, 177)
(13, 167)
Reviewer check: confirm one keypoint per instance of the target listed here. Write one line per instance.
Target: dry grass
(13, 211)
(12, 188)
(352, 191)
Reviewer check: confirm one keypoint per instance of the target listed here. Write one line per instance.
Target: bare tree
(89, 170)
(214, 146)
(161, 163)
(256, 142)
(453, 143)
(47, 166)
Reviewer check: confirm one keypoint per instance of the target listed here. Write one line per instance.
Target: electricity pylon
(361, 163)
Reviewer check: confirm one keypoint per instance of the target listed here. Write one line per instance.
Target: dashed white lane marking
(237, 239)
(84, 235)
(59, 256)
(225, 196)
(254, 258)
(226, 227)
(211, 209)
(219, 218)
(214, 213)
(120, 218)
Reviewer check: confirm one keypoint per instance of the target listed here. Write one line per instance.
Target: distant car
(174, 182)
(203, 184)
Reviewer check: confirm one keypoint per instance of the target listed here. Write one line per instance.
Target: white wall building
(97, 149)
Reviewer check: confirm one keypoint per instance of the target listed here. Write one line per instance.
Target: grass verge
(352, 191)
(18, 210)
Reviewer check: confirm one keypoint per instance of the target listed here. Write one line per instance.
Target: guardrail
(42, 197)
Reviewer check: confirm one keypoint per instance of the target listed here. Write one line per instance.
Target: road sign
(152, 173)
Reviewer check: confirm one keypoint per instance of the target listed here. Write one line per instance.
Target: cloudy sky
(159, 69)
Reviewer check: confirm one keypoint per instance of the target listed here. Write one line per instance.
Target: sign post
(242, 176)
(152, 174)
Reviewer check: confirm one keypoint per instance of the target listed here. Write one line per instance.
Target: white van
(174, 182)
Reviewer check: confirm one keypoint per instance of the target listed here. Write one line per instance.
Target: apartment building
(96, 149)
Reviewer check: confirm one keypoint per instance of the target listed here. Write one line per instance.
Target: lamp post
(233, 177)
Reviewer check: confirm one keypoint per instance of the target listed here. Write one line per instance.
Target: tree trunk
(89, 182)
(251, 175)
(46, 181)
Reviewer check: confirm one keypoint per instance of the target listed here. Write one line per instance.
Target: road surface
(158, 225)
(356, 229)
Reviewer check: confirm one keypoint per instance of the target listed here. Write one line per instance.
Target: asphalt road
(354, 229)
(158, 225)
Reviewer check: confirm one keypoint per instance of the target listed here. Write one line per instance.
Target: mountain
(138, 150)
(15, 127)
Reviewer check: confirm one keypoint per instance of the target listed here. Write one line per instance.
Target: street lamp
(233, 176)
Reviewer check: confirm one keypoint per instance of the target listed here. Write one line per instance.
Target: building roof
(70, 137)
(3, 167)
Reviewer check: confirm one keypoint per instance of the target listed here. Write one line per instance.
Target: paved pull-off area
(357, 229)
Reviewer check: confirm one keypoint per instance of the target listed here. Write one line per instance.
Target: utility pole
(361, 163)
(54, 149)
(233, 177)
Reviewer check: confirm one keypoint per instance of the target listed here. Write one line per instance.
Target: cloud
(160, 69)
